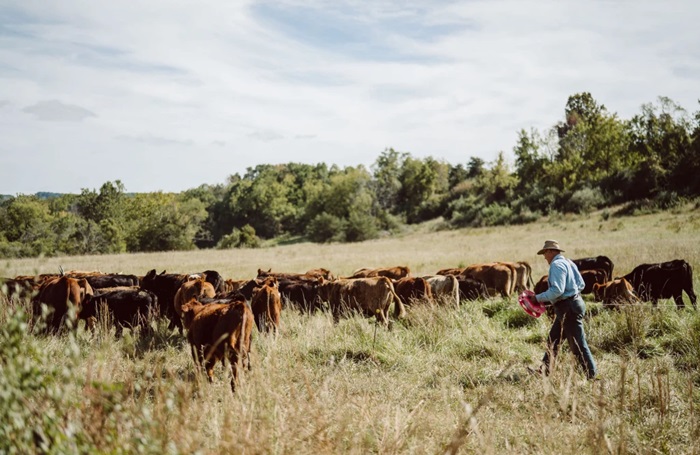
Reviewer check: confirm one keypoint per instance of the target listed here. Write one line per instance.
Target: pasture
(443, 380)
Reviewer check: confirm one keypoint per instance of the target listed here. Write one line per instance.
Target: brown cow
(542, 285)
(192, 289)
(394, 273)
(410, 289)
(267, 305)
(369, 296)
(615, 293)
(57, 294)
(217, 331)
(497, 277)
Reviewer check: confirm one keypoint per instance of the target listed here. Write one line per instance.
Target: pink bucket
(527, 300)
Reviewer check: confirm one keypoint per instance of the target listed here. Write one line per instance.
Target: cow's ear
(163, 272)
(151, 274)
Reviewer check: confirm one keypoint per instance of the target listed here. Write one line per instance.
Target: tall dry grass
(445, 380)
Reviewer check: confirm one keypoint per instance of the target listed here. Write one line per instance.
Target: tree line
(589, 160)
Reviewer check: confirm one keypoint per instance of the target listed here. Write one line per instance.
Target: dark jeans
(569, 323)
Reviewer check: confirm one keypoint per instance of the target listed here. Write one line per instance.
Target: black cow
(128, 307)
(470, 289)
(598, 262)
(165, 286)
(663, 280)
(301, 294)
(111, 280)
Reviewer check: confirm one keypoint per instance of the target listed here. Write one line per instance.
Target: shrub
(239, 238)
(585, 200)
(326, 228)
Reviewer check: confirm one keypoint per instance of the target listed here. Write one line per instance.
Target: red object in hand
(527, 300)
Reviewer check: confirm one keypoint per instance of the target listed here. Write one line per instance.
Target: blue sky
(169, 95)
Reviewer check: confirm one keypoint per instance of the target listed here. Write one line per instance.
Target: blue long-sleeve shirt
(564, 280)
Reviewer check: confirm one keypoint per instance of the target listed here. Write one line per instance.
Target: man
(565, 285)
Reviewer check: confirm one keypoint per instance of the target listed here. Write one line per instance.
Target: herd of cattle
(218, 314)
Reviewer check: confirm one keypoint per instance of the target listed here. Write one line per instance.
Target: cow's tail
(528, 267)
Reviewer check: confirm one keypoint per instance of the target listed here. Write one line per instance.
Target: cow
(413, 289)
(127, 306)
(542, 285)
(267, 305)
(57, 294)
(445, 288)
(301, 294)
(497, 277)
(219, 332)
(212, 277)
(165, 286)
(311, 275)
(470, 289)
(598, 262)
(451, 271)
(614, 293)
(197, 288)
(394, 273)
(663, 281)
(368, 296)
(591, 277)
(521, 275)
(110, 280)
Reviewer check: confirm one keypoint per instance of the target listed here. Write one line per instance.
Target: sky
(168, 95)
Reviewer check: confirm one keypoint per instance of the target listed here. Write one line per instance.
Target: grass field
(444, 380)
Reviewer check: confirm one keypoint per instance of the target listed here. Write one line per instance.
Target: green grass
(444, 380)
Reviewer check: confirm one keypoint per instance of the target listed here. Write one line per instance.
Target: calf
(591, 277)
(614, 293)
(219, 332)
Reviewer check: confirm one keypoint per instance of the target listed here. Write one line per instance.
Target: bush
(585, 200)
(240, 238)
(326, 228)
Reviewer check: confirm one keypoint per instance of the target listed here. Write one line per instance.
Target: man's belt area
(567, 299)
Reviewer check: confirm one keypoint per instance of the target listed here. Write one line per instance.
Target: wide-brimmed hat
(550, 245)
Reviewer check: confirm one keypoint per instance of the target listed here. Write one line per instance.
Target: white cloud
(151, 86)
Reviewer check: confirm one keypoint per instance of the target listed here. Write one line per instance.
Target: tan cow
(193, 289)
(219, 331)
(445, 288)
(497, 277)
(267, 305)
(57, 294)
(614, 293)
(368, 296)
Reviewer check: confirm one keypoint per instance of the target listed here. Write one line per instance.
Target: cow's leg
(693, 298)
(678, 298)
(233, 360)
